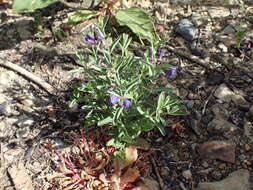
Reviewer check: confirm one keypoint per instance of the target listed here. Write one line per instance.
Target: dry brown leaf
(130, 175)
(141, 187)
(131, 155)
(177, 127)
(222, 150)
(141, 143)
(150, 183)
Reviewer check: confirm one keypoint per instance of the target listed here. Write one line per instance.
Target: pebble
(221, 150)
(238, 180)
(223, 47)
(216, 175)
(187, 174)
(251, 111)
(5, 108)
(25, 121)
(222, 127)
(223, 93)
(186, 30)
(222, 166)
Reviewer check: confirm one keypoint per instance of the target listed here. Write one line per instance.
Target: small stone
(222, 127)
(216, 175)
(23, 132)
(205, 164)
(247, 147)
(195, 127)
(222, 166)
(186, 30)
(218, 12)
(240, 101)
(223, 93)
(222, 150)
(214, 78)
(187, 174)
(25, 121)
(251, 111)
(190, 104)
(238, 180)
(223, 47)
(248, 127)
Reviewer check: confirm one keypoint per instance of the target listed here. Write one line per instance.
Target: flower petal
(113, 99)
(127, 103)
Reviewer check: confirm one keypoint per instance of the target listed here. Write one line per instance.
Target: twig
(207, 100)
(162, 186)
(189, 57)
(43, 84)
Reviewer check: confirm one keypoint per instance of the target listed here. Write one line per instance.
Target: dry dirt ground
(210, 148)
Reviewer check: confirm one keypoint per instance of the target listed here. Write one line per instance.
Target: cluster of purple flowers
(91, 40)
(115, 99)
(168, 72)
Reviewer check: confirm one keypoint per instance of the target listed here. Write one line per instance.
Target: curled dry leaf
(131, 175)
(222, 150)
(131, 156)
(141, 187)
(141, 143)
(177, 127)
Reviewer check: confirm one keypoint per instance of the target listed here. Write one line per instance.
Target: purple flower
(161, 53)
(99, 34)
(127, 103)
(170, 72)
(89, 39)
(113, 99)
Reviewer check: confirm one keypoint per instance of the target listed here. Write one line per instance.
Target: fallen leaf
(20, 177)
(131, 155)
(150, 183)
(222, 150)
(130, 175)
(177, 127)
(141, 187)
(141, 143)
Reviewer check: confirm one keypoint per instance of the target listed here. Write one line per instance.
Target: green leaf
(105, 121)
(138, 21)
(80, 16)
(115, 142)
(26, 5)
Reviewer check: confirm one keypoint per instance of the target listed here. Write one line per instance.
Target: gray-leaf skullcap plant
(127, 103)
(113, 99)
(89, 39)
(99, 34)
(170, 72)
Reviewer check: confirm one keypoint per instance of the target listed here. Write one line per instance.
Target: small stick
(162, 186)
(189, 57)
(43, 84)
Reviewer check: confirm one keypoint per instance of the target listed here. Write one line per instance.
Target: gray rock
(195, 127)
(238, 180)
(6, 78)
(240, 101)
(23, 132)
(25, 121)
(186, 30)
(223, 93)
(222, 127)
(187, 174)
(248, 127)
(5, 107)
(251, 111)
(218, 12)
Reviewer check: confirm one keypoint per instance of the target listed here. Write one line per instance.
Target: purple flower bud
(99, 34)
(113, 99)
(170, 72)
(89, 39)
(152, 53)
(127, 103)
(161, 53)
